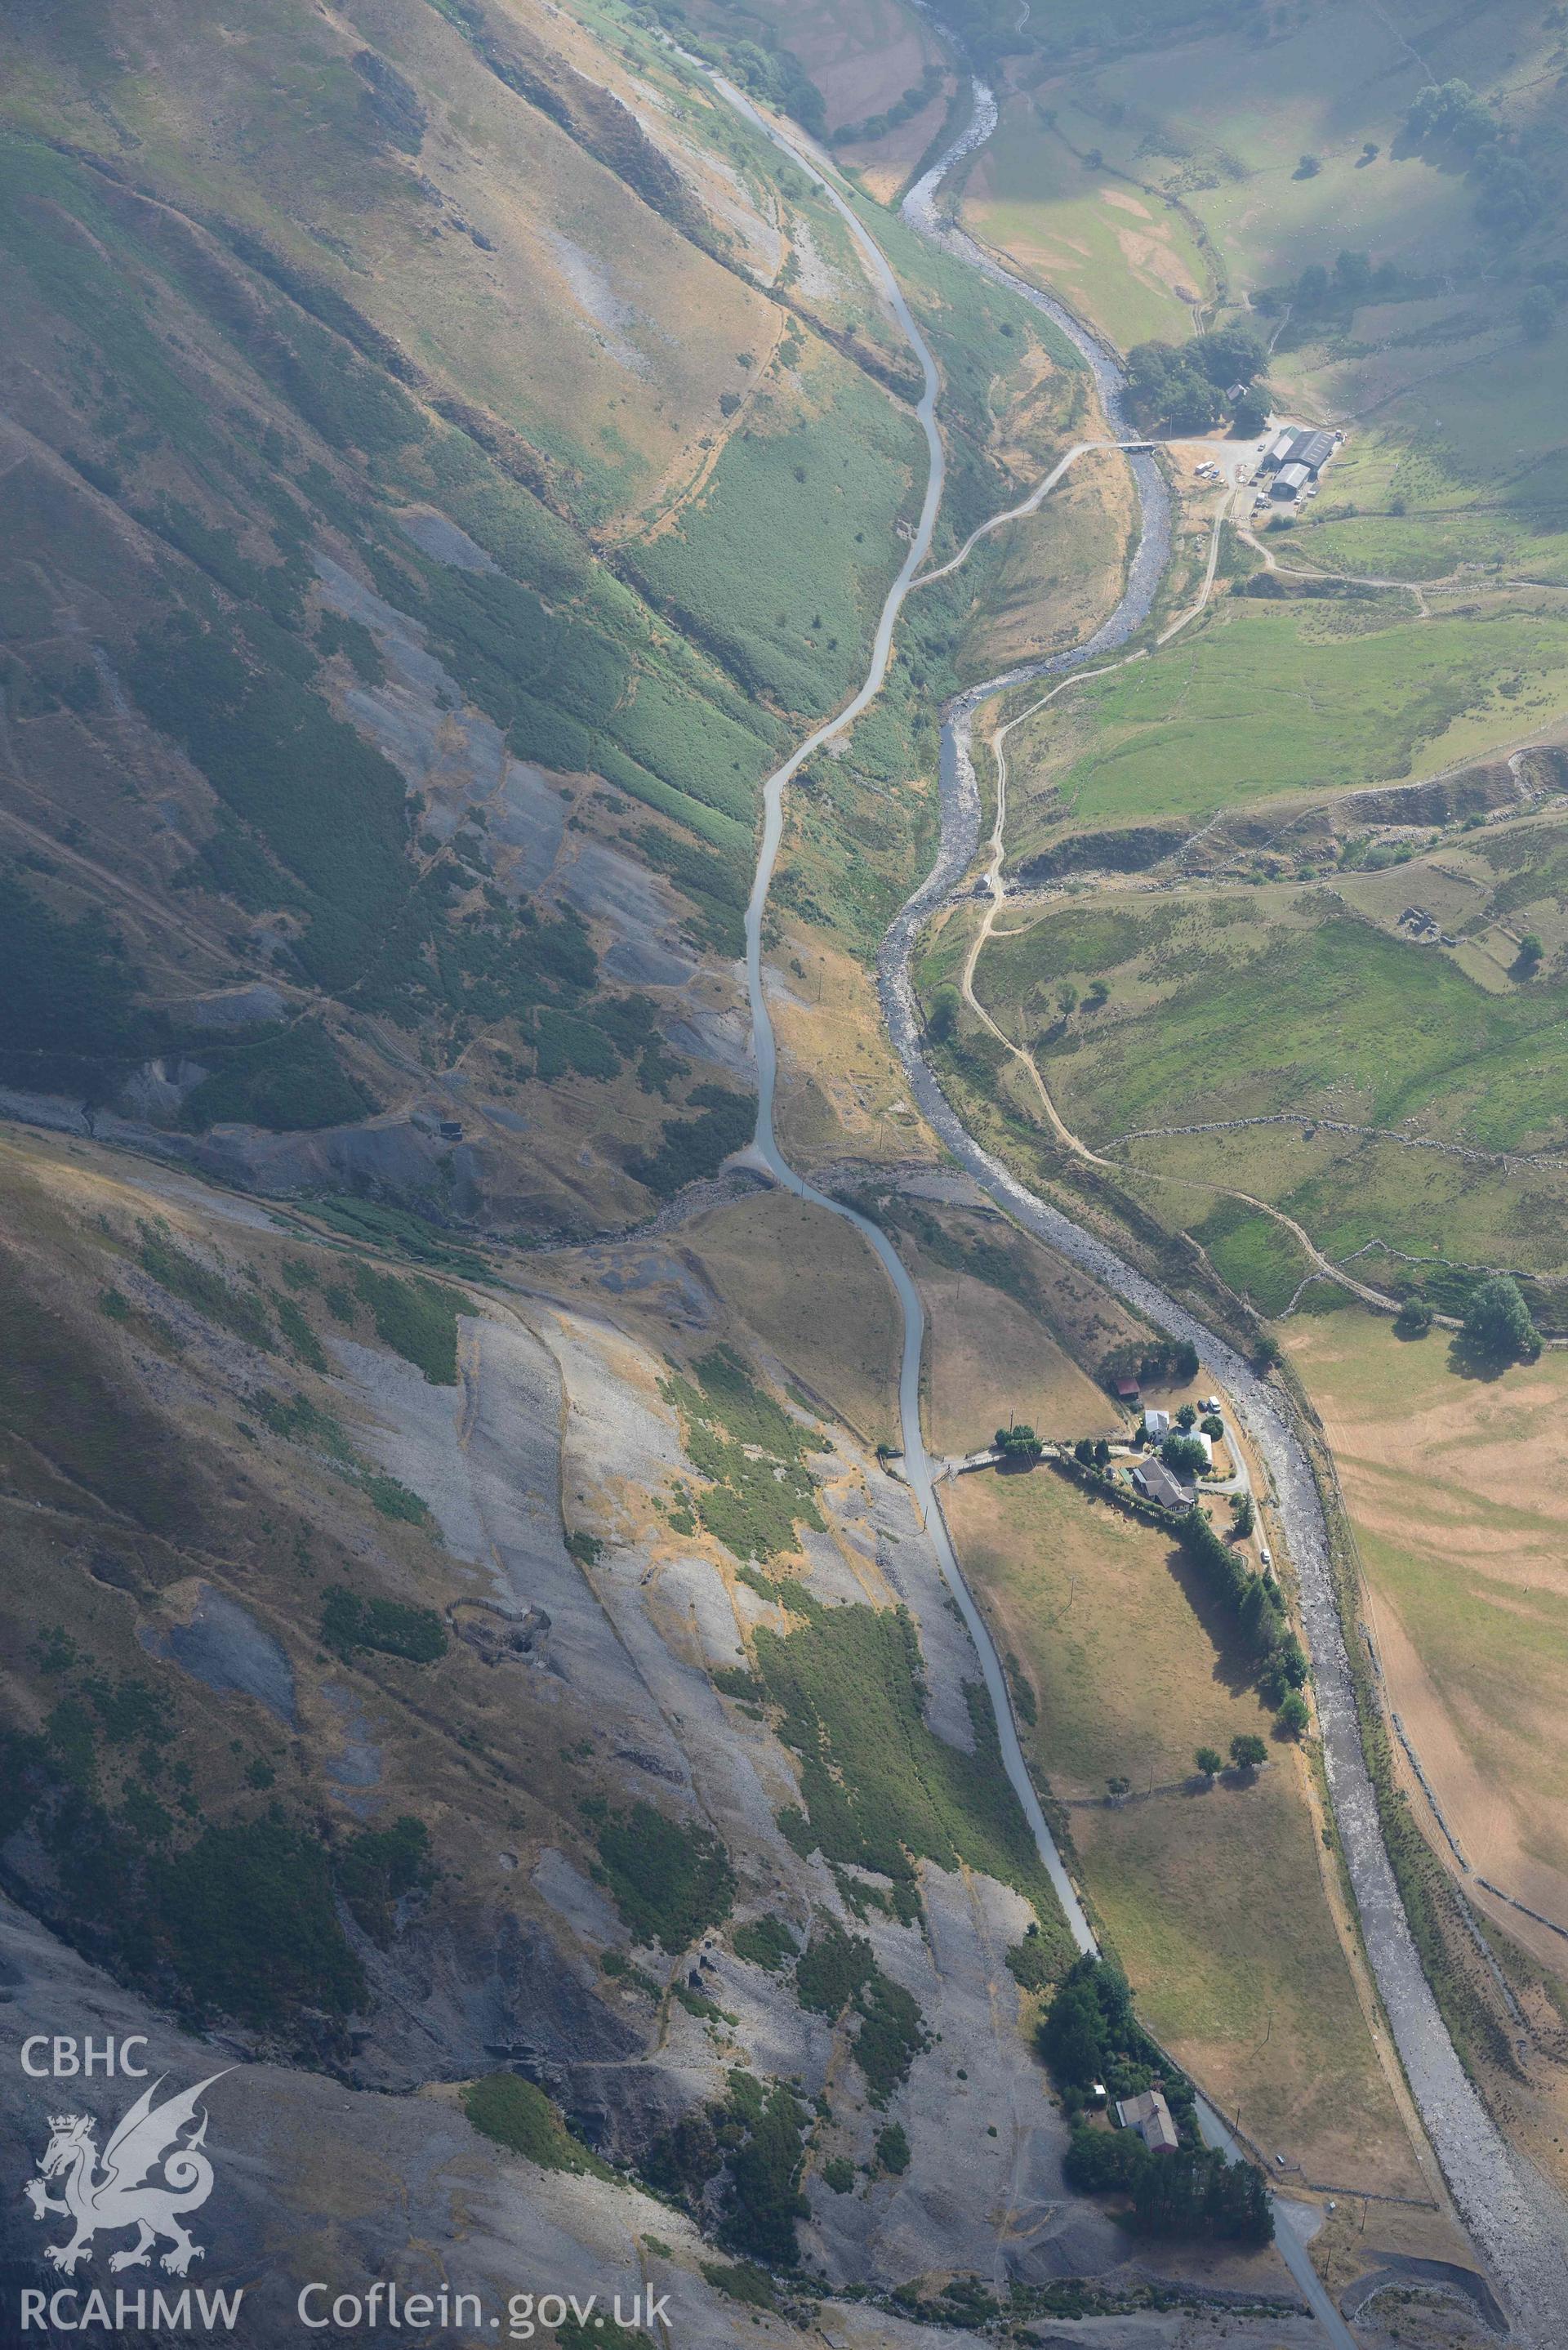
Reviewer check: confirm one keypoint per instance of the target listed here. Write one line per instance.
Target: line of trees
(1255, 1604)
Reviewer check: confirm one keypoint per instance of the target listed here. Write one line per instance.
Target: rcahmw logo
(152, 2171)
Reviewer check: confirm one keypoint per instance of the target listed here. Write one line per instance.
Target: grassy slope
(169, 1432)
(1297, 1015)
(1247, 1005)
(1239, 713)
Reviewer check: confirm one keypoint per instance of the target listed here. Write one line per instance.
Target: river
(1518, 2224)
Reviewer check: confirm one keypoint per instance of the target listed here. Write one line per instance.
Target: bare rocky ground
(642, 1627)
(558, 1420)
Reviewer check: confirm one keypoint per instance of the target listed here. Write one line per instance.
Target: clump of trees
(1497, 1326)
(943, 1020)
(1018, 1443)
(1157, 1358)
(1089, 2034)
(1183, 1454)
(1184, 387)
(1449, 114)
(1513, 189)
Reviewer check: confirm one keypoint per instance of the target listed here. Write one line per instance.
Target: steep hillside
(432, 438)
(407, 1671)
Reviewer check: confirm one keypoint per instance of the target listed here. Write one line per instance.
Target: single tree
(1209, 1760)
(1265, 1350)
(1248, 1752)
(1308, 168)
(1187, 1416)
(1118, 1788)
(944, 1013)
(1213, 1427)
(1413, 1318)
(1102, 1453)
(1184, 1359)
(1294, 1716)
(1497, 1324)
(1084, 1452)
(1531, 951)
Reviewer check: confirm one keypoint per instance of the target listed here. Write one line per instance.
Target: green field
(1280, 1017)
(1486, 484)
(1270, 700)
(1114, 253)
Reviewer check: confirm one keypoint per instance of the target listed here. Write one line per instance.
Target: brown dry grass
(1213, 1901)
(1454, 1485)
(842, 1090)
(1058, 573)
(988, 1359)
(807, 1286)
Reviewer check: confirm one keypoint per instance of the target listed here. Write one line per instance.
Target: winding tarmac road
(1518, 2223)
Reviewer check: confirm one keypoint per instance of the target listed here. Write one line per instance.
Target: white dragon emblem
(121, 2193)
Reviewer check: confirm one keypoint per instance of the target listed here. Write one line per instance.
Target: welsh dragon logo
(102, 2194)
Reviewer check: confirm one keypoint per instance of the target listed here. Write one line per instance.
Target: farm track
(1520, 2226)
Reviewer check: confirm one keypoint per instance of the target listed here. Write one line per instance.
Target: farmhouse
(1150, 2115)
(1155, 1482)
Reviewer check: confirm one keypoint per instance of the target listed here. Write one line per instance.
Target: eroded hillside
(429, 1676)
